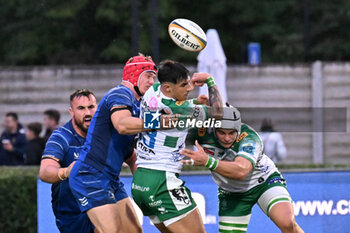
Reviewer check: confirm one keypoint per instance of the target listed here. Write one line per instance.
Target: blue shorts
(92, 188)
(74, 223)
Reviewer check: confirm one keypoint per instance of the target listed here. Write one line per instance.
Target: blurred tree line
(101, 31)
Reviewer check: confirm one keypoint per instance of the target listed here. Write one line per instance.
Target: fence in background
(31, 90)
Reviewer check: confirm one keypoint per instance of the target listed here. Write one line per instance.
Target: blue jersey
(105, 149)
(64, 146)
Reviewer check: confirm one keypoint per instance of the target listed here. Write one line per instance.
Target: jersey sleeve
(56, 147)
(118, 97)
(250, 148)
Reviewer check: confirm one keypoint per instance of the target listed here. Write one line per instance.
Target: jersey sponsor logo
(209, 151)
(196, 111)
(140, 188)
(261, 179)
(241, 136)
(154, 203)
(144, 148)
(201, 132)
(151, 120)
(181, 195)
(179, 103)
(111, 195)
(162, 210)
(277, 180)
(248, 148)
(176, 156)
(83, 201)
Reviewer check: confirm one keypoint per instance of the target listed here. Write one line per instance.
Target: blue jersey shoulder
(119, 96)
(64, 145)
(105, 148)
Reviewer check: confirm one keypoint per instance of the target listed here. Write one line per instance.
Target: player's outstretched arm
(51, 171)
(237, 169)
(125, 123)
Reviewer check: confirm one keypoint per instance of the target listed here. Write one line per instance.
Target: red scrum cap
(135, 66)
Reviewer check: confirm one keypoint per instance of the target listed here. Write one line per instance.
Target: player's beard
(80, 125)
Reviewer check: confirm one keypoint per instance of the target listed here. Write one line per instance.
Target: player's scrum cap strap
(135, 66)
(113, 110)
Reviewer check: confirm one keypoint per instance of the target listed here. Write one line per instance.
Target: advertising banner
(321, 203)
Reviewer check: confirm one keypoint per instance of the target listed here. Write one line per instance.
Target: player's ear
(167, 86)
(71, 111)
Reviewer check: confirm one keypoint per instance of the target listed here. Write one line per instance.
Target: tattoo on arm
(215, 102)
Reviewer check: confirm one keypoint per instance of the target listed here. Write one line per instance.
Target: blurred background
(108, 31)
(50, 48)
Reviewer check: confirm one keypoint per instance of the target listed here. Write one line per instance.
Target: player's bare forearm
(130, 125)
(51, 171)
(125, 123)
(237, 169)
(215, 102)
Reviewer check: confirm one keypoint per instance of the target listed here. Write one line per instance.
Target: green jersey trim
(156, 86)
(277, 200)
(231, 231)
(233, 224)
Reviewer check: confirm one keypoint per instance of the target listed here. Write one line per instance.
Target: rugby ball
(187, 35)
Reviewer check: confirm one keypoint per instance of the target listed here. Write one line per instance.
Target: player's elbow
(217, 113)
(122, 129)
(239, 174)
(44, 176)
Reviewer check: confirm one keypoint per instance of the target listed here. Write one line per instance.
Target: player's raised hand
(199, 157)
(202, 99)
(199, 79)
(68, 169)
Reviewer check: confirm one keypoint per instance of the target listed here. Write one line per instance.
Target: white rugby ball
(187, 35)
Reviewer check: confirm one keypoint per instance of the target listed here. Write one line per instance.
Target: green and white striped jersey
(160, 149)
(247, 145)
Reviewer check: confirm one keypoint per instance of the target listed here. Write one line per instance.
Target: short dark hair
(172, 71)
(81, 92)
(53, 114)
(36, 127)
(13, 115)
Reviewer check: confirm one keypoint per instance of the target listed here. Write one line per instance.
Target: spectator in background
(13, 141)
(35, 146)
(273, 142)
(51, 121)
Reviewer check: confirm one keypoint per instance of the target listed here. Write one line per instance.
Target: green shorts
(161, 195)
(235, 208)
